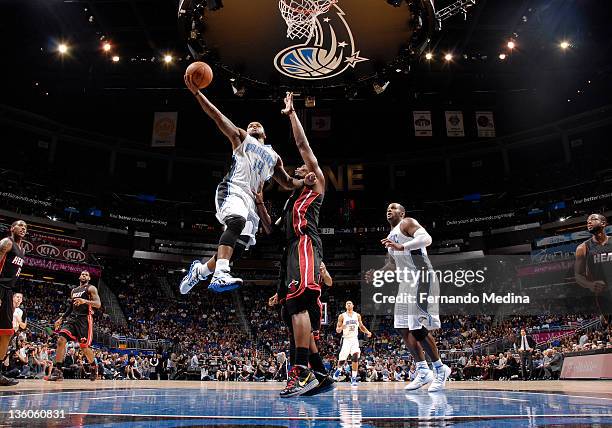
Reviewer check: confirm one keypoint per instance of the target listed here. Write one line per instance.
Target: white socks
(422, 365)
(222, 266)
(437, 364)
(202, 270)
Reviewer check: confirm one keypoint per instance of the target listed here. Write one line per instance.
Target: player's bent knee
(420, 334)
(234, 225)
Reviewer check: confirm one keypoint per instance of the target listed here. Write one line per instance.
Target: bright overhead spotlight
(564, 44)
(106, 47)
(115, 58)
(448, 57)
(428, 56)
(511, 45)
(62, 48)
(502, 56)
(168, 59)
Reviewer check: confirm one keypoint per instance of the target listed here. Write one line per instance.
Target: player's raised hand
(369, 334)
(190, 85)
(288, 104)
(310, 179)
(57, 324)
(390, 244)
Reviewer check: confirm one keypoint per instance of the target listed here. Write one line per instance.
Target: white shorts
(349, 347)
(414, 316)
(236, 204)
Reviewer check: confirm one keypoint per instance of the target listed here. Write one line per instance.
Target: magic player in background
(349, 324)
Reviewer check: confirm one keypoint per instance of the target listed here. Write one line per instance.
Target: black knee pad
(240, 247)
(355, 357)
(420, 334)
(234, 225)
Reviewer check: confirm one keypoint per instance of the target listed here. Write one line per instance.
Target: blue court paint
(175, 407)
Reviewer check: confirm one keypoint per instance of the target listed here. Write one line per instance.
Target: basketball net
(301, 15)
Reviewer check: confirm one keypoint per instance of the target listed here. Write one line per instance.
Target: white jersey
(17, 316)
(350, 325)
(421, 313)
(252, 164)
(413, 260)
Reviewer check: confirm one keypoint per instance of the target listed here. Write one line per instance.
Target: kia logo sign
(73, 255)
(27, 246)
(47, 250)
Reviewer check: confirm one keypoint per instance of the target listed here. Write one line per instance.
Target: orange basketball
(201, 74)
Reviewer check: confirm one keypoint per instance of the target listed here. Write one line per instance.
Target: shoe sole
(303, 390)
(223, 288)
(419, 387)
(319, 390)
(443, 384)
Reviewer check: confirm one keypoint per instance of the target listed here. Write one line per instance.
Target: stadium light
(62, 48)
(168, 59)
(428, 56)
(502, 56)
(564, 44)
(511, 45)
(106, 47)
(448, 57)
(115, 58)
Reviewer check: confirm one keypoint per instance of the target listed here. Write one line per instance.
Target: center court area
(184, 404)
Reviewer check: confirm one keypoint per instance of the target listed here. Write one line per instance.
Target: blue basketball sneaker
(222, 282)
(337, 374)
(191, 279)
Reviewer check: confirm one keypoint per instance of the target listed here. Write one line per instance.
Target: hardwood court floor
(181, 403)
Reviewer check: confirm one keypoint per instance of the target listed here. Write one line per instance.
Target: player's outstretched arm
(339, 324)
(288, 182)
(301, 141)
(234, 134)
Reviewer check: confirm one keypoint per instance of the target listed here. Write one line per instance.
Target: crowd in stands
(236, 336)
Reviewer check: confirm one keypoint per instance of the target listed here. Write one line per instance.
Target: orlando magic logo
(329, 49)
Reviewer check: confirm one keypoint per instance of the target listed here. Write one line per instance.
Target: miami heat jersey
(302, 217)
(599, 261)
(10, 265)
(350, 325)
(81, 310)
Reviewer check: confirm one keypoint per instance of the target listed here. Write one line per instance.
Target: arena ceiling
(143, 32)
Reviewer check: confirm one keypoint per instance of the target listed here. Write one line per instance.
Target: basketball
(201, 74)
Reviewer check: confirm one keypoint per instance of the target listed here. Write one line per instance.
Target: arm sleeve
(420, 239)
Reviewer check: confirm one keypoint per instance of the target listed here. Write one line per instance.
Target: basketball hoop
(301, 15)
